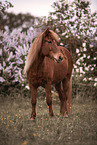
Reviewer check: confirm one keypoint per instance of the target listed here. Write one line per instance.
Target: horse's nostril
(60, 58)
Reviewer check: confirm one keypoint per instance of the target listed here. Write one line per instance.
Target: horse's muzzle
(57, 59)
(60, 59)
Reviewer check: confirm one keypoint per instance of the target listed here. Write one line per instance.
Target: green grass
(16, 128)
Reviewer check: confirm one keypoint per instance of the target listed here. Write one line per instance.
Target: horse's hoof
(33, 119)
(66, 115)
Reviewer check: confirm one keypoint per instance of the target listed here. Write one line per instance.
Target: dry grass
(16, 128)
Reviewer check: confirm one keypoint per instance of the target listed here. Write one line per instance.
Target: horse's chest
(60, 71)
(41, 77)
(42, 74)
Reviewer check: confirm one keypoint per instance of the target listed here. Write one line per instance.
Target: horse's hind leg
(49, 99)
(62, 98)
(69, 102)
(65, 83)
(33, 102)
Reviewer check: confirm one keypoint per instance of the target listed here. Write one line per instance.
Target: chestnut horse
(49, 64)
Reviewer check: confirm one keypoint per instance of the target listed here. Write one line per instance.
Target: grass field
(16, 128)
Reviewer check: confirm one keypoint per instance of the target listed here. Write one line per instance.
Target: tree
(77, 29)
(3, 7)
(14, 21)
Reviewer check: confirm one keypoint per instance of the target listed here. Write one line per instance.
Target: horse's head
(49, 46)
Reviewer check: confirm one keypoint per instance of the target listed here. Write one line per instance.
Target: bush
(14, 49)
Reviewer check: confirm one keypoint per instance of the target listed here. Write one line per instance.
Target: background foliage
(77, 29)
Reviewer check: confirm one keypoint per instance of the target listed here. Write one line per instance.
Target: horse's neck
(38, 63)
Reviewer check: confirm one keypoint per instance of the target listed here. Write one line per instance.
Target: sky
(39, 7)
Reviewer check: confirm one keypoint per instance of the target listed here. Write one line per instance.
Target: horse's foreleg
(49, 99)
(61, 96)
(33, 102)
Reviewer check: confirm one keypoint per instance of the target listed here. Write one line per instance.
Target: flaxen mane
(34, 50)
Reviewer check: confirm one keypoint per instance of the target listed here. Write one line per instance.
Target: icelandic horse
(49, 64)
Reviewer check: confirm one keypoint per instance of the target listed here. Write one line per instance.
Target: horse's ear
(46, 32)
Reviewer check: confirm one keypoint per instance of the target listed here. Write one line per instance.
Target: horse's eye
(49, 41)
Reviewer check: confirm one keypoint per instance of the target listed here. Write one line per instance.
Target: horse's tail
(70, 95)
